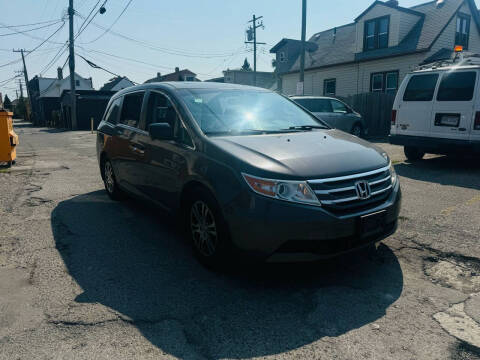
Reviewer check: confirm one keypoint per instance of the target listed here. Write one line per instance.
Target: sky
(204, 36)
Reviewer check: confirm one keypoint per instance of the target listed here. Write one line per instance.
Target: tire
(413, 153)
(207, 230)
(110, 182)
(357, 130)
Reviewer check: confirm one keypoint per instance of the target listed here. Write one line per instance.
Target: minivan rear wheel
(110, 181)
(413, 153)
(207, 230)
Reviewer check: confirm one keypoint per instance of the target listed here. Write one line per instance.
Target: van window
(339, 107)
(457, 86)
(131, 109)
(421, 88)
(315, 105)
(112, 113)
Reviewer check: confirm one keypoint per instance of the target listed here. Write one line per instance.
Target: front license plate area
(372, 224)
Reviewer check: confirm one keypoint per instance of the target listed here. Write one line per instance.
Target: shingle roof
(111, 84)
(337, 45)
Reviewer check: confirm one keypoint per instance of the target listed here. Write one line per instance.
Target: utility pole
(301, 87)
(25, 74)
(71, 61)
(252, 35)
(21, 88)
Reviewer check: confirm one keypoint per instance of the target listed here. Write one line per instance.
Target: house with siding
(376, 51)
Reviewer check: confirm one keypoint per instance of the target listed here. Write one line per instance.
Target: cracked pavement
(82, 277)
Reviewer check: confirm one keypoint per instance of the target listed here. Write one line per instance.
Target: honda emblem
(363, 190)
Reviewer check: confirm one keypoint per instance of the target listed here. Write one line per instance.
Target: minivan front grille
(353, 193)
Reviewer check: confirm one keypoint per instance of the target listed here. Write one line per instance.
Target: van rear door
(453, 108)
(414, 108)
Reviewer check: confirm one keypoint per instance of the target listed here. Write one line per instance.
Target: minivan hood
(302, 155)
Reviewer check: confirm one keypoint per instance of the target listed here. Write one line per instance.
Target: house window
(463, 31)
(329, 87)
(77, 82)
(282, 56)
(376, 33)
(384, 82)
(189, 78)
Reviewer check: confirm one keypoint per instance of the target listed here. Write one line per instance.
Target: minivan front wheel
(207, 229)
(413, 153)
(357, 130)
(110, 182)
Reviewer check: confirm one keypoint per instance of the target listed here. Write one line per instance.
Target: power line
(29, 35)
(113, 24)
(29, 30)
(89, 21)
(163, 49)
(33, 24)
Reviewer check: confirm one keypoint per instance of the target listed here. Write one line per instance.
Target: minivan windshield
(245, 112)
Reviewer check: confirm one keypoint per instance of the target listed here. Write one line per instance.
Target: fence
(376, 109)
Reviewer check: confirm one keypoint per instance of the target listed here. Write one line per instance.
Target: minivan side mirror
(160, 131)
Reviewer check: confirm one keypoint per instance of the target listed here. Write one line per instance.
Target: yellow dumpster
(8, 138)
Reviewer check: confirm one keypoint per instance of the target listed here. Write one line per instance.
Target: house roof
(309, 45)
(113, 82)
(399, 8)
(171, 77)
(337, 46)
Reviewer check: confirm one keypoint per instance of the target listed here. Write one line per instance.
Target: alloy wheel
(204, 228)
(109, 177)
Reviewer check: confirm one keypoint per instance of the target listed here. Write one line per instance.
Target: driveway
(82, 277)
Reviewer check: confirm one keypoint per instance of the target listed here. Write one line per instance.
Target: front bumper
(277, 230)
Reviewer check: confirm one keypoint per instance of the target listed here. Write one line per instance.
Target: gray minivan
(247, 170)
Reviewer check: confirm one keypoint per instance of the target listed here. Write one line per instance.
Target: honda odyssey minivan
(248, 170)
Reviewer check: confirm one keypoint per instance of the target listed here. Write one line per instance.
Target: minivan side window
(421, 88)
(161, 110)
(112, 114)
(131, 109)
(457, 86)
(316, 105)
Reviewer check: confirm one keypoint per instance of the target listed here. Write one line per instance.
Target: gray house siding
(355, 77)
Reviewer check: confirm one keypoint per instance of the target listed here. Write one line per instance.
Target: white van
(437, 110)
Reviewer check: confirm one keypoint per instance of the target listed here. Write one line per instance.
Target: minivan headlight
(393, 174)
(293, 191)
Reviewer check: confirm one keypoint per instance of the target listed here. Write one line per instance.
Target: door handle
(137, 149)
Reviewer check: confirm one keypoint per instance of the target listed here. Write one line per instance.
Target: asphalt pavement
(83, 277)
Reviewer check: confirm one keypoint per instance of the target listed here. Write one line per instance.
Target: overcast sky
(205, 36)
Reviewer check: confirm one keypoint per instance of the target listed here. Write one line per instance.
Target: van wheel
(357, 130)
(110, 182)
(413, 153)
(207, 230)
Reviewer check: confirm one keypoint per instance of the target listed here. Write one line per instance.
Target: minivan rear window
(421, 88)
(457, 86)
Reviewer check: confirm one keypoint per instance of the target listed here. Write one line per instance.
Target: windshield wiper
(235, 132)
(307, 127)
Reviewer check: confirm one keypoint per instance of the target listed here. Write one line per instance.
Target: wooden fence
(376, 109)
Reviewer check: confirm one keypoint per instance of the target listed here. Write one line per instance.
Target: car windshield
(241, 112)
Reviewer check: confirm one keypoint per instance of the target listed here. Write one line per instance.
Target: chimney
(393, 3)
(59, 73)
(159, 75)
(177, 70)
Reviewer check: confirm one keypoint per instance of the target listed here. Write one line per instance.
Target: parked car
(437, 110)
(335, 113)
(248, 170)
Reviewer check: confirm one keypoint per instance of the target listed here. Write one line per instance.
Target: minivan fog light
(293, 191)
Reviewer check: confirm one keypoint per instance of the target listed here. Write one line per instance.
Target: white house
(374, 52)
(117, 83)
